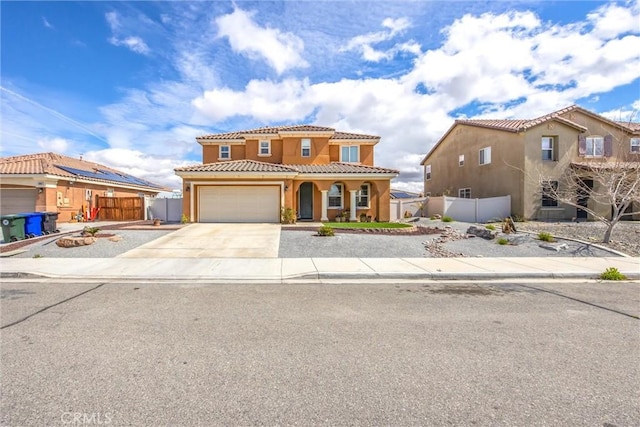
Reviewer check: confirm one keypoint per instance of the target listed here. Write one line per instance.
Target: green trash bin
(12, 227)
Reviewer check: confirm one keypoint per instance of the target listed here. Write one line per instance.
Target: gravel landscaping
(450, 242)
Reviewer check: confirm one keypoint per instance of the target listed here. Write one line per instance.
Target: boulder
(483, 232)
(72, 242)
(115, 238)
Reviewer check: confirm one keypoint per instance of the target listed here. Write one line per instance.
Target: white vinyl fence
(400, 206)
(470, 210)
(165, 209)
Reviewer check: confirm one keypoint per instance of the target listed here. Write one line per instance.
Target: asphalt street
(320, 354)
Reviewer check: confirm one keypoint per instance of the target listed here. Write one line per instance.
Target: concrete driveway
(213, 241)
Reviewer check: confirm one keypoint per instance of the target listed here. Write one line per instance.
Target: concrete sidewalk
(279, 270)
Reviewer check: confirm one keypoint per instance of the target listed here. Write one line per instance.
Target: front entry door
(305, 201)
(583, 197)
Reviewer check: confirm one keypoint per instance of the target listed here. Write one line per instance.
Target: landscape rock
(72, 242)
(553, 247)
(115, 238)
(483, 232)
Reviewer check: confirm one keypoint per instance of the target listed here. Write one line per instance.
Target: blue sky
(131, 84)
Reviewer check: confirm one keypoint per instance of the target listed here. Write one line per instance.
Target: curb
(435, 276)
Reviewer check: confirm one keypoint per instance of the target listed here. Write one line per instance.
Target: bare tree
(607, 188)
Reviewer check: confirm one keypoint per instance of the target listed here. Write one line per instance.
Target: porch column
(353, 208)
(325, 199)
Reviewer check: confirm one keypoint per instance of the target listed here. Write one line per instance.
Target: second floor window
(485, 156)
(595, 146)
(427, 172)
(350, 154)
(225, 152)
(265, 148)
(635, 145)
(548, 148)
(461, 160)
(306, 147)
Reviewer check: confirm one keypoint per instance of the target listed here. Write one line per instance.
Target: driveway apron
(213, 241)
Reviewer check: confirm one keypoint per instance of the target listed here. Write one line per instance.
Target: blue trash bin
(33, 224)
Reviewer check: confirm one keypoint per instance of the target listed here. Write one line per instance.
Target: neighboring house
(49, 182)
(250, 176)
(489, 158)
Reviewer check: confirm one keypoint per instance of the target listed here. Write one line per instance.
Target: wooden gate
(120, 208)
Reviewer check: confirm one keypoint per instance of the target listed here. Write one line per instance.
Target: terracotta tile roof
(521, 125)
(64, 166)
(255, 166)
(598, 165)
(237, 166)
(274, 130)
(342, 168)
(347, 135)
(632, 126)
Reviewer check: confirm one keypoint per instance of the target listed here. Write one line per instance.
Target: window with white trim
(548, 148)
(595, 146)
(635, 145)
(485, 156)
(465, 193)
(225, 152)
(461, 160)
(427, 172)
(306, 147)
(350, 154)
(335, 196)
(362, 196)
(265, 148)
(549, 190)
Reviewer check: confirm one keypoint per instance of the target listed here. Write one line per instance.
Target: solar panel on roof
(109, 176)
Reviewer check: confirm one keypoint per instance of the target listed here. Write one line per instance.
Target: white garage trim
(233, 202)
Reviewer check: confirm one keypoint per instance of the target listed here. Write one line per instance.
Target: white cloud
(612, 20)
(364, 43)
(136, 44)
(56, 145)
(282, 51)
(119, 38)
(47, 24)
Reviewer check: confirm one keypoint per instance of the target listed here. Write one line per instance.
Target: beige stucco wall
(501, 177)
(516, 166)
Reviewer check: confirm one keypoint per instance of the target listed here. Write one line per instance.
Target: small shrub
(325, 230)
(184, 219)
(612, 273)
(37, 256)
(288, 216)
(447, 219)
(518, 218)
(503, 241)
(546, 237)
(433, 218)
(490, 227)
(90, 231)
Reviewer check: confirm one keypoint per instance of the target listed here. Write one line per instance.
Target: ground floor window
(465, 193)
(362, 196)
(549, 190)
(335, 196)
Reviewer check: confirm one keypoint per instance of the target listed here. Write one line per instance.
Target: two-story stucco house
(252, 175)
(490, 158)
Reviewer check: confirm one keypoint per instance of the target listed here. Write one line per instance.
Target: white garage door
(232, 203)
(14, 201)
